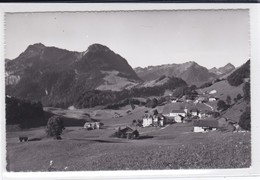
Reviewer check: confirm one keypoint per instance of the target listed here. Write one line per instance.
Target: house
(194, 112)
(93, 125)
(205, 114)
(153, 120)
(174, 99)
(202, 99)
(212, 99)
(116, 115)
(175, 113)
(178, 119)
(147, 120)
(126, 132)
(161, 120)
(205, 125)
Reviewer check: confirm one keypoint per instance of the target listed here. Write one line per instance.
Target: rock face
(190, 72)
(55, 75)
(223, 70)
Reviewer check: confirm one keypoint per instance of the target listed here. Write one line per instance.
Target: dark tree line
(237, 77)
(23, 112)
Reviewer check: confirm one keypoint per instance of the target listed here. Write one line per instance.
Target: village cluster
(203, 120)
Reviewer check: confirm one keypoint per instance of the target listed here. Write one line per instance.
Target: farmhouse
(93, 125)
(116, 115)
(212, 99)
(153, 120)
(202, 99)
(194, 112)
(178, 119)
(205, 125)
(127, 132)
(147, 120)
(204, 114)
(175, 113)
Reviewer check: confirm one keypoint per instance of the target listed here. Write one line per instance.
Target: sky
(212, 38)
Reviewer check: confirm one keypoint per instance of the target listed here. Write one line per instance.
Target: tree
(245, 119)
(155, 112)
(246, 90)
(54, 127)
(131, 101)
(228, 100)
(222, 105)
(238, 97)
(151, 103)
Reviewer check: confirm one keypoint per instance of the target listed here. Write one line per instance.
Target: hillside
(61, 76)
(190, 72)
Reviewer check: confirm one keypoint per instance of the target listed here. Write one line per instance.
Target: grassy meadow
(172, 147)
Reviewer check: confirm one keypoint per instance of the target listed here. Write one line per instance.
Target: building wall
(198, 129)
(147, 122)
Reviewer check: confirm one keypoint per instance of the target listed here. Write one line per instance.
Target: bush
(54, 127)
(228, 100)
(245, 119)
(222, 106)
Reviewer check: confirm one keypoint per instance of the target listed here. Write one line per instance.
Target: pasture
(171, 147)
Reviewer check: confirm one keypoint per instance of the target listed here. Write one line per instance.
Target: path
(209, 106)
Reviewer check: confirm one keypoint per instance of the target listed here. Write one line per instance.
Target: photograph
(127, 90)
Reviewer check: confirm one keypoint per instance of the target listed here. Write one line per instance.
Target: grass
(174, 147)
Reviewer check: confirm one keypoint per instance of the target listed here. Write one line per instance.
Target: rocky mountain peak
(97, 48)
(229, 66)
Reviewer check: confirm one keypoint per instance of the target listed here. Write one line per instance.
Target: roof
(127, 130)
(178, 111)
(206, 123)
(194, 110)
(205, 111)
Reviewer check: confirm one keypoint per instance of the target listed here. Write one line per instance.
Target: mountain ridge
(52, 74)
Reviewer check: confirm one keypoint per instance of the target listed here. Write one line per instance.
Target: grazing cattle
(23, 138)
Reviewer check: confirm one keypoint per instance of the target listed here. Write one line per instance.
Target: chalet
(202, 99)
(205, 125)
(93, 125)
(127, 132)
(175, 113)
(174, 99)
(204, 114)
(116, 115)
(160, 120)
(212, 99)
(178, 119)
(194, 112)
(147, 120)
(153, 120)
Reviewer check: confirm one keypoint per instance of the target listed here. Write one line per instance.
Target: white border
(253, 172)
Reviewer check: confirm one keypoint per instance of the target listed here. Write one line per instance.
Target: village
(199, 111)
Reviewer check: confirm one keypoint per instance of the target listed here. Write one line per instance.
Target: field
(171, 147)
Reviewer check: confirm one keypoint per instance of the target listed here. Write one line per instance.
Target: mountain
(239, 75)
(190, 72)
(59, 76)
(223, 70)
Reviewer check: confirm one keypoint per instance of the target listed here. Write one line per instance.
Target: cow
(23, 138)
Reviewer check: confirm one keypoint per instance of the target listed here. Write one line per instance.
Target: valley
(113, 117)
